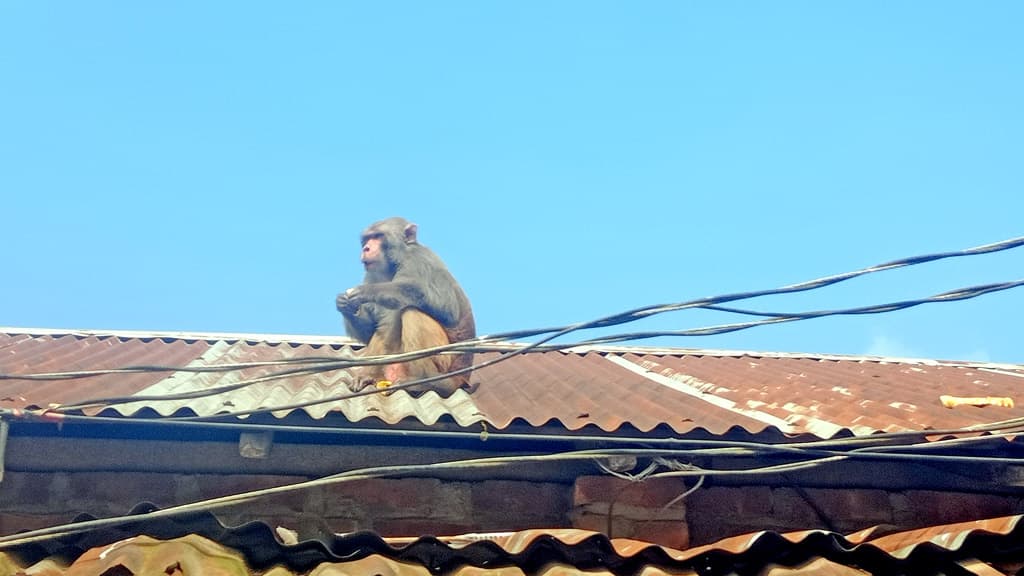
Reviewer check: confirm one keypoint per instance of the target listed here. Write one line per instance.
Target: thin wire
(334, 364)
(815, 458)
(952, 295)
(134, 369)
(361, 474)
(960, 294)
(114, 400)
(884, 452)
(709, 303)
(306, 369)
(804, 286)
(783, 317)
(774, 318)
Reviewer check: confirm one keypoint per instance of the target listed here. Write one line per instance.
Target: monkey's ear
(410, 233)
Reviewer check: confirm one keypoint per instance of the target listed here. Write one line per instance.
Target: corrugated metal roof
(201, 544)
(610, 389)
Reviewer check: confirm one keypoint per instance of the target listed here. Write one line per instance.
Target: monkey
(408, 301)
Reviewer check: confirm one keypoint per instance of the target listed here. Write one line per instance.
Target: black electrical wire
(308, 368)
(782, 317)
(642, 312)
(313, 366)
(134, 369)
(959, 294)
(359, 474)
(952, 295)
(637, 313)
(813, 458)
(816, 457)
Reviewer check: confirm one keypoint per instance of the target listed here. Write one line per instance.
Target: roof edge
(209, 336)
(509, 345)
(666, 351)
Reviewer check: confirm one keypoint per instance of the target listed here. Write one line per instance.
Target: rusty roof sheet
(200, 544)
(610, 389)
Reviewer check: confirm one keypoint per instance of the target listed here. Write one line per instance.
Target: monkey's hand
(349, 301)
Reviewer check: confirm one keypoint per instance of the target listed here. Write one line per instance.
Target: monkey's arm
(360, 318)
(441, 305)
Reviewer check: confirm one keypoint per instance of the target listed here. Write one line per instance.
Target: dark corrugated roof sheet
(609, 389)
(199, 544)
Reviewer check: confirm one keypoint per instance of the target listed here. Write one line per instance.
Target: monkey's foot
(359, 383)
(364, 381)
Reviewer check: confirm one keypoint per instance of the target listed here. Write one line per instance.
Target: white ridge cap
(275, 338)
(667, 351)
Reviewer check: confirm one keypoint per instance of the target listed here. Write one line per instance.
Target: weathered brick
(673, 534)
(113, 493)
(653, 493)
(520, 505)
(740, 503)
(32, 492)
(792, 511)
(399, 498)
(925, 507)
(216, 485)
(849, 510)
(11, 523)
(454, 504)
(613, 528)
(414, 527)
(720, 512)
(402, 492)
(207, 486)
(675, 512)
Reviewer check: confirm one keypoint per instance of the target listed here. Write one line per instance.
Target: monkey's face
(373, 253)
(376, 261)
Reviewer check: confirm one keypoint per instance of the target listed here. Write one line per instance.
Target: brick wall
(638, 510)
(419, 506)
(391, 507)
(715, 513)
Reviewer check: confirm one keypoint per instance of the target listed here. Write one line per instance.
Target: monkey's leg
(384, 341)
(420, 331)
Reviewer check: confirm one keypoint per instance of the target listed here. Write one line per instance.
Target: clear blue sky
(207, 166)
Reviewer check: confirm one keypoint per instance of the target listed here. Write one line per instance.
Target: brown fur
(408, 301)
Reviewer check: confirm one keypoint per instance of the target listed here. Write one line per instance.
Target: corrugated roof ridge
(625, 426)
(587, 349)
(911, 551)
(188, 412)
